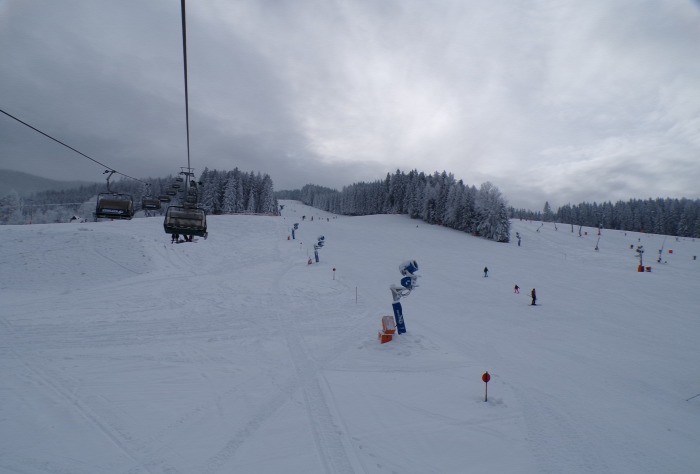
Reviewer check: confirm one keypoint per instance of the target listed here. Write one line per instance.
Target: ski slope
(123, 353)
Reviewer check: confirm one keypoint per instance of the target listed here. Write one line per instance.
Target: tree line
(220, 192)
(235, 192)
(677, 217)
(436, 198)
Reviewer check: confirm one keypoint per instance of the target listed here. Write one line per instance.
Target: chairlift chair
(164, 198)
(186, 221)
(114, 206)
(149, 203)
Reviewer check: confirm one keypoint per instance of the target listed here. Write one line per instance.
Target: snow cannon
(408, 267)
(296, 226)
(398, 292)
(321, 240)
(409, 281)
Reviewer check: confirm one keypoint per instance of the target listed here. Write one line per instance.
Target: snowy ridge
(123, 353)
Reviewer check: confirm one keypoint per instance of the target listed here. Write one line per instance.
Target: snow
(123, 353)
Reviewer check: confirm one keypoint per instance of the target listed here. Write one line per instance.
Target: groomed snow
(123, 353)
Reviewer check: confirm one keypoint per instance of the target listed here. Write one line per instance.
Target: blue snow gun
(408, 267)
(409, 282)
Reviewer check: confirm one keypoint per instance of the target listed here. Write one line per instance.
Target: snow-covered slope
(123, 353)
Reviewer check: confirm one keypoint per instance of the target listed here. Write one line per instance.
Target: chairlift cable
(68, 146)
(184, 57)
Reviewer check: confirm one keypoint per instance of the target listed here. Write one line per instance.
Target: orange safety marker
(388, 329)
(388, 324)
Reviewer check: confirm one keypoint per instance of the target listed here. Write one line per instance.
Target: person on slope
(486, 271)
(516, 289)
(534, 297)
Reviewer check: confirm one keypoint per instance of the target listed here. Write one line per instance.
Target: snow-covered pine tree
(212, 191)
(547, 215)
(10, 209)
(453, 205)
(251, 206)
(229, 200)
(268, 203)
(493, 216)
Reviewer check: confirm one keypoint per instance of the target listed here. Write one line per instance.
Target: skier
(534, 297)
(517, 289)
(486, 272)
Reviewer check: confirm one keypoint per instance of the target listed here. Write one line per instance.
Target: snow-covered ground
(123, 353)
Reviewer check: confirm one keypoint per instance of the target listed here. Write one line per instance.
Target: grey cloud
(561, 101)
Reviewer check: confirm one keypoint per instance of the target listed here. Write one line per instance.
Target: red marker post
(486, 377)
(334, 273)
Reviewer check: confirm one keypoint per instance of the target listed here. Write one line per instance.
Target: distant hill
(25, 184)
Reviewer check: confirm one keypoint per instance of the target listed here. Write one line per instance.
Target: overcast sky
(551, 100)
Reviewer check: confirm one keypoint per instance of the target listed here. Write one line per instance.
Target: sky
(561, 101)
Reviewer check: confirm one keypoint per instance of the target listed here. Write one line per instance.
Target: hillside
(25, 184)
(122, 352)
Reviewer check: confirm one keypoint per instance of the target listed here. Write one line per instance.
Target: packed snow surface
(121, 352)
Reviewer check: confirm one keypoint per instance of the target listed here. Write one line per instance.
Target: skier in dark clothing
(534, 297)
(486, 271)
(516, 289)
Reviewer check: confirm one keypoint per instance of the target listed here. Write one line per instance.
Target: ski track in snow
(327, 436)
(331, 450)
(124, 441)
